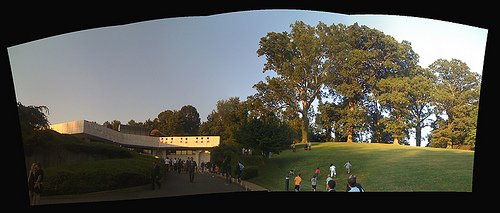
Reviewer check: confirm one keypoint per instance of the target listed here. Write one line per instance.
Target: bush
(99, 175)
(249, 172)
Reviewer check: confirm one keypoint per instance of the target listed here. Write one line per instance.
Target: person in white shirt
(333, 173)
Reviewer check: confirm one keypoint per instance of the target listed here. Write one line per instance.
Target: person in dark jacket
(191, 168)
(155, 172)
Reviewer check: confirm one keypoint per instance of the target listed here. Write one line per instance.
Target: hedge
(99, 175)
(249, 172)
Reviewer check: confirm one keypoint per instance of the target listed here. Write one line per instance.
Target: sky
(138, 70)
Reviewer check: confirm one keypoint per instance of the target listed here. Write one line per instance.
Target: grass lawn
(378, 167)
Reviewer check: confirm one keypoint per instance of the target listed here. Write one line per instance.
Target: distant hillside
(378, 167)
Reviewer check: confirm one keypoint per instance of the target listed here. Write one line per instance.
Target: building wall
(159, 146)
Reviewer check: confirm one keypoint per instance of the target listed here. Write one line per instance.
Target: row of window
(208, 138)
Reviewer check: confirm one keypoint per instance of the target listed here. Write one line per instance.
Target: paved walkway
(174, 184)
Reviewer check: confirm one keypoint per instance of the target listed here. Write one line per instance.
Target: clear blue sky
(138, 70)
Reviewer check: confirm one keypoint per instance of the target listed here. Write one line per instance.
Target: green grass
(378, 167)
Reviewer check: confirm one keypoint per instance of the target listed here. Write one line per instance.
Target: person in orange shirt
(297, 182)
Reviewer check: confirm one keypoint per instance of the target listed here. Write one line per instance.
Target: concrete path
(174, 184)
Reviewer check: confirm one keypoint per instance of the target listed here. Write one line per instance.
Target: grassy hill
(379, 167)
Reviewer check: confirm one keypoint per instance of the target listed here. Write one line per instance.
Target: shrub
(98, 176)
(249, 172)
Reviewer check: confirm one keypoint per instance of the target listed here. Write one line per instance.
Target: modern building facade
(173, 147)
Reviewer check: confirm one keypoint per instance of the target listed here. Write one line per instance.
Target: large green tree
(185, 121)
(225, 120)
(457, 100)
(266, 133)
(298, 58)
(361, 57)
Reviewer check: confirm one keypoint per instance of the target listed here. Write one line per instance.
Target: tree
(225, 120)
(32, 120)
(178, 123)
(112, 125)
(298, 58)
(266, 134)
(393, 96)
(362, 56)
(32, 117)
(421, 93)
(328, 119)
(191, 120)
(457, 97)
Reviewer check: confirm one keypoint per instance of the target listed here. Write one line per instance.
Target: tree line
(365, 82)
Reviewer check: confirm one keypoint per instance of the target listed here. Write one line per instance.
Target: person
(329, 178)
(287, 182)
(330, 186)
(179, 166)
(31, 183)
(155, 172)
(333, 173)
(293, 147)
(35, 181)
(167, 163)
(227, 170)
(352, 186)
(298, 179)
(310, 145)
(240, 168)
(314, 180)
(348, 166)
(317, 173)
(191, 168)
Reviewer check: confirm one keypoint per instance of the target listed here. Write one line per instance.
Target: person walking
(297, 181)
(155, 172)
(314, 181)
(317, 173)
(348, 166)
(333, 173)
(227, 171)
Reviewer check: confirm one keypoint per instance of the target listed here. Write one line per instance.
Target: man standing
(155, 172)
(191, 168)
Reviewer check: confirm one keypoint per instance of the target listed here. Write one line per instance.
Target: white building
(173, 147)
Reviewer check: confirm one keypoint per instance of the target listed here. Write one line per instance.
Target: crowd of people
(190, 166)
(352, 185)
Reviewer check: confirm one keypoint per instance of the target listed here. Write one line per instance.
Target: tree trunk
(397, 139)
(350, 130)
(305, 122)
(418, 135)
